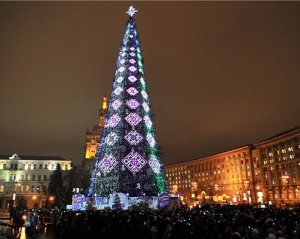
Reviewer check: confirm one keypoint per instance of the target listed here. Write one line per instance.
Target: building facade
(266, 172)
(279, 157)
(27, 177)
(92, 139)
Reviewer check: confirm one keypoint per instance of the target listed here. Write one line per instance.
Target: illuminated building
(27, 177)
(92, 141)
(266, 172)
(279, 157)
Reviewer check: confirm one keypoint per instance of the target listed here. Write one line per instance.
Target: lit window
(294, 180)
(284, 158)
(273, 182)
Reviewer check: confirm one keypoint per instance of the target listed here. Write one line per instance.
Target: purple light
(132, 78)
(132, 103)
(133, 119)
(154, 164)
(113, 121)
(148, 122)
(132, 68)
(118, 90)
(111, 139)
(132, 61)
(150, 140)
(121, 69)
(108, 163)
(133, 137)
(134, 161)
(116, 104)
(132, 91)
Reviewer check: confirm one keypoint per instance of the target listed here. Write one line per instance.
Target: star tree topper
(131, 11)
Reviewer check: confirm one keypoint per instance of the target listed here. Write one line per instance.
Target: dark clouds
(219, 74)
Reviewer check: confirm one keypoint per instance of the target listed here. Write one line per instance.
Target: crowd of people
(209, 221)
(205, 221)
(23, 218)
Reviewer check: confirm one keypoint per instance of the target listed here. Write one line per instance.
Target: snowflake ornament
(131, 11)
(107, 164)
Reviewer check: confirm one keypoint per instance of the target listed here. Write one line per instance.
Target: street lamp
(34, 201)
(51, 199)
(14, 199)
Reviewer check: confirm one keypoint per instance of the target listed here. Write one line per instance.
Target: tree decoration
(127, 160)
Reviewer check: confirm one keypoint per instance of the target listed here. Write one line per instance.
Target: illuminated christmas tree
(127, 159)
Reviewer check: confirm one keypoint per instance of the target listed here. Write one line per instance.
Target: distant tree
(71, 185)
(56, 187)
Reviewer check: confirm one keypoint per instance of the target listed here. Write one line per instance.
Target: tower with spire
(92, 139)
(127, 159)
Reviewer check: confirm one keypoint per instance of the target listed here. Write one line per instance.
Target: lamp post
(51, 199)
(34, 201)
(14, 199)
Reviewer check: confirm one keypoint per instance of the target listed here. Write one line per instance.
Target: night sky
(220, 74)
